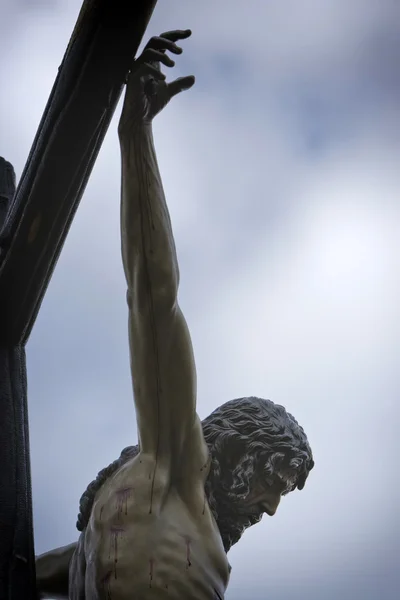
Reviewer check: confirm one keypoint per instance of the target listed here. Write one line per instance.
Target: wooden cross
(34, 222)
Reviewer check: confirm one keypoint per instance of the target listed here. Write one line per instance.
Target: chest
(170, 544)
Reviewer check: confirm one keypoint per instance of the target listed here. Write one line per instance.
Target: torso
(152, 538)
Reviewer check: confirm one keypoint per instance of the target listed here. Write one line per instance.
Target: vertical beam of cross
(34, 222)
(16, 541)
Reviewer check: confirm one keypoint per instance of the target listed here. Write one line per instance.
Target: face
(266, 493)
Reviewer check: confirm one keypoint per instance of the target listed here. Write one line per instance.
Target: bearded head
(259, 453)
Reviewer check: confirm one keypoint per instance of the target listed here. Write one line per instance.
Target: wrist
(128, 132)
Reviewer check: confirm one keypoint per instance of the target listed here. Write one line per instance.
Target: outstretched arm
(52, 572)
(162, 364)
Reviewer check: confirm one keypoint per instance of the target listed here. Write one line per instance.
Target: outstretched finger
(151, 55)
(181, 84)
(177, 34)
(163, 44)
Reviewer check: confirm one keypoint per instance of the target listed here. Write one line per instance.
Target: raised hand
(147, 90)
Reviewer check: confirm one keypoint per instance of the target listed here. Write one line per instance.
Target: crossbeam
(83, 99)
(34, 223)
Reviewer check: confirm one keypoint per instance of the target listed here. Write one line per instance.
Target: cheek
(275, 499)
(278, 498)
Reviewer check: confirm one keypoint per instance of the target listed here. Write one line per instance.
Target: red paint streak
(123, 496)
(106, 582)
(206, 464)
(151, 570)
(188, 561)
(115, 532)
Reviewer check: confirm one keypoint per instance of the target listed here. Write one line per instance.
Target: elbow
(164, 298)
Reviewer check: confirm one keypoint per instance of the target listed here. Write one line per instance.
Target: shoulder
(87, 498)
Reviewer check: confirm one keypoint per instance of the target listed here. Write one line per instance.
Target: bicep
(164, 377)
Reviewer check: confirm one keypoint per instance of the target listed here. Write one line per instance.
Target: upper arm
(164, 379)
(52, 572)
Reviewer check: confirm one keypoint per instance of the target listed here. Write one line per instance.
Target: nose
(271, 504)
(267, 508)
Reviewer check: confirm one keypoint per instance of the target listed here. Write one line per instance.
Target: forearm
(148, 248)
(52, 571)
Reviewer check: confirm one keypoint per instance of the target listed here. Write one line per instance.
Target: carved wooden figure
(158, 522)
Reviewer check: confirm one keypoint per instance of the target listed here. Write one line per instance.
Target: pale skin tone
(151, 533)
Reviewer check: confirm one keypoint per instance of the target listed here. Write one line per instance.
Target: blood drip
(115, 532)
(151, 568)
(122, 501)
(107, 585)
(188, 561)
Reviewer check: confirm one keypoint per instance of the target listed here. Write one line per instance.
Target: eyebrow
(290, 482)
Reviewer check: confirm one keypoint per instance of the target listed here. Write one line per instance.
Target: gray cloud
(281, 172)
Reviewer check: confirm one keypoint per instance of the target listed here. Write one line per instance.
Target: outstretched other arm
(52, 572)
(162, 363)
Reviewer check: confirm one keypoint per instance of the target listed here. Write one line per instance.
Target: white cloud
(289, 265)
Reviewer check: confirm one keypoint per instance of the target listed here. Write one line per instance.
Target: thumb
(181, 84)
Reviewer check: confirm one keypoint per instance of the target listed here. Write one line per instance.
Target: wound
(106, 583)
(123, 496)
(101, 512)
(115, 534)
(206, 464)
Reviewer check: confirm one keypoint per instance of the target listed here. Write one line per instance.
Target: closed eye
(287, 484)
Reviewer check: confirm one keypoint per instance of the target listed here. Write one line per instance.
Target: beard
(233, 520)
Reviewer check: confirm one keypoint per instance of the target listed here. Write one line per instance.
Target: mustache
(250, 515)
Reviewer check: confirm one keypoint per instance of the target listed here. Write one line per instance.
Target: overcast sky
(281, 170)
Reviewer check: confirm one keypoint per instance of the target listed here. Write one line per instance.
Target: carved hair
(244, 436)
